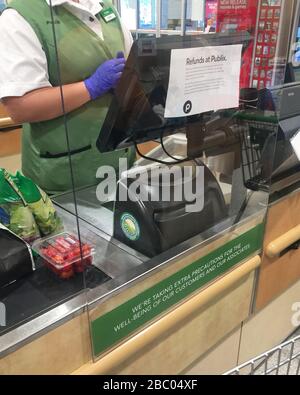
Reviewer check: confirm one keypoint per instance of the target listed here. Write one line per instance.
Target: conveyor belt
(41, 291)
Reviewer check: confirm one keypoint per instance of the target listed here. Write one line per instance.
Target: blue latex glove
(106, 77)
(297, 56)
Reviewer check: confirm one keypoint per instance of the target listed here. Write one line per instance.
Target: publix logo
(130, 227)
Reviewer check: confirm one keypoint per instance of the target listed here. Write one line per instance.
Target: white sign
(203, 79)
(295, 141)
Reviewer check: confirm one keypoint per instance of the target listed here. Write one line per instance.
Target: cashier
(92, 44)
(210, 26)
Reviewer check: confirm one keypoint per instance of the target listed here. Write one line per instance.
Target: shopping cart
(258, 115)
(257, 142)
(282, 360)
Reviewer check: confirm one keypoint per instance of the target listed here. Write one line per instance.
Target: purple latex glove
(105, 77)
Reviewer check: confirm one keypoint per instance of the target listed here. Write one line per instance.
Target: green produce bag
(40, 204)
(14, 211)
(25, 209)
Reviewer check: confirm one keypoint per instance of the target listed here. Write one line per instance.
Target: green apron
(80, 51)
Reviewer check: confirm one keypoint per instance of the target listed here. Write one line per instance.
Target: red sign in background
(211, 7)
(238, 16)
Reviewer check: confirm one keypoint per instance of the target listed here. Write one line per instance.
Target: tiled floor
(284, 361)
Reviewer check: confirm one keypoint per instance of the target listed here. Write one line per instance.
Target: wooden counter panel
(220, 359)
(10, 142)
(278, 274)
(60, 351)
(5, 120)
(3, 113)
(145, 148)
(189, 339)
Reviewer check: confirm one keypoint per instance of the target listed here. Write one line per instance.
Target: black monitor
(278, 159)
(136, 113)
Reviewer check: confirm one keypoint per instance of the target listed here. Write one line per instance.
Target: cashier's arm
(45, 103)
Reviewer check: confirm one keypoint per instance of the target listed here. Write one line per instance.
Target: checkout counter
(206, 279)
(166, 285)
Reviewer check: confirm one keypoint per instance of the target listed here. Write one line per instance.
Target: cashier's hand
(106, 77)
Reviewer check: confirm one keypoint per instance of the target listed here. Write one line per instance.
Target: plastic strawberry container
(62, 254)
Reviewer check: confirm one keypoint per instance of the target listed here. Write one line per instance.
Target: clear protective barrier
(158, 129)
(42, 260)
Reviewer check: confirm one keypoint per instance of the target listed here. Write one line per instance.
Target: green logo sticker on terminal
(130, 227)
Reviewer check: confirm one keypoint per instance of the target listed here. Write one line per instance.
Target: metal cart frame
(283, 360)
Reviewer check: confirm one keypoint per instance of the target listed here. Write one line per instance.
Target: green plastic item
(25, 209)
(14, 211)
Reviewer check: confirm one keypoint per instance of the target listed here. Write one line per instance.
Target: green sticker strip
(115, 326)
